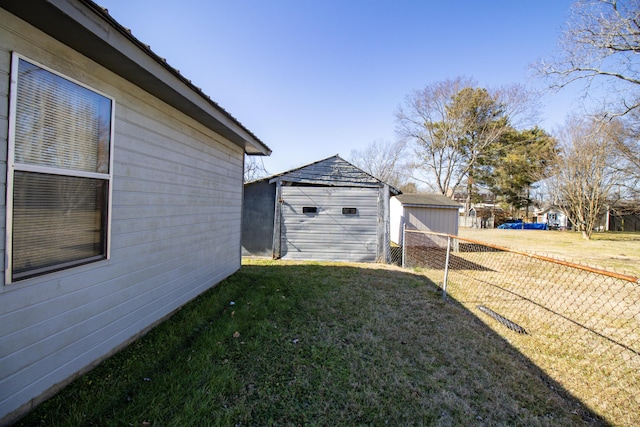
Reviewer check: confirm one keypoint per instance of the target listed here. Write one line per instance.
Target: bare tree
(600, 44)
(387, 161)
(520, 105)
(453, 123)
(423, 119)
(600, 47)
(584, 178)
(254, 168)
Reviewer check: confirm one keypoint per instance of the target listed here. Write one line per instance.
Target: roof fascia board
(328, 183)
(415, 205)
(430, 204)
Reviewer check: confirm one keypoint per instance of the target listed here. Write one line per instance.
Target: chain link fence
(579, 324)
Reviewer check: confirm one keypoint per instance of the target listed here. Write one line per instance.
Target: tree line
(458, 138)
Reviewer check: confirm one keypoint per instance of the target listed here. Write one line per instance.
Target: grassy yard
(619, 252)
(282, 343)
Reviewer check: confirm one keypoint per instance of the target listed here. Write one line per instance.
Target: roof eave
(87, 28)
(415, 205)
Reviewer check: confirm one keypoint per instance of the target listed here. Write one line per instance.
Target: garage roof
(333, 171)
(428, 200)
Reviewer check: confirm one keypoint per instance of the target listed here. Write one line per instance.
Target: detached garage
(429, 212)
(329, 210)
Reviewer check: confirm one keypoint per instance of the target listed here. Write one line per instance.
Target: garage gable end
(333, 171)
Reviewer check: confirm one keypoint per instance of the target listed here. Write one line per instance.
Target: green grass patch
(316, 344)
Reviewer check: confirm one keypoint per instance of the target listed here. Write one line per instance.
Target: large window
(59, 174)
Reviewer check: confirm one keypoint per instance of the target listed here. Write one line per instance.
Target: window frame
(13, 167)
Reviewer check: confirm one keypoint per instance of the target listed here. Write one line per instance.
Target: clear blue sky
(314, 78)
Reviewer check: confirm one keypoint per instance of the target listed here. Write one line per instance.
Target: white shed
(429, 212)
(123, 193)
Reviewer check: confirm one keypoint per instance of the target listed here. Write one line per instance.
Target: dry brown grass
(619, 252)
(582, 327)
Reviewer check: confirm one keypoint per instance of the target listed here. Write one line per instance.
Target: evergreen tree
(519, 159)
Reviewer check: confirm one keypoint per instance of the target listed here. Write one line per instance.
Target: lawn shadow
(439, 358)
(434, 257)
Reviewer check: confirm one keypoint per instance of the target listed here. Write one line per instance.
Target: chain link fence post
(446, 268)
(404, 245)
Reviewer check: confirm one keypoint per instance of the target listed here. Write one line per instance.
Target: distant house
(623, 216)
(123, 193)
(327, 210)
(553, 216)
(484, 215)
(429, 212)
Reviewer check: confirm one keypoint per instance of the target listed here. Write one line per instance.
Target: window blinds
(61, 178)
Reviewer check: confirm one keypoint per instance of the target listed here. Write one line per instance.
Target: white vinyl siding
(436, 219)
(329, 234)
(175, 232)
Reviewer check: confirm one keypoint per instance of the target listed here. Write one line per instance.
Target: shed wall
(329, 234)
(176, 224)
(439, 220)
(428, 218)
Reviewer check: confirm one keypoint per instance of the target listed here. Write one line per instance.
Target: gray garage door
(329, 223)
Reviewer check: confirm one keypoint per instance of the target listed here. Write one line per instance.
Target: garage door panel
(329, 234)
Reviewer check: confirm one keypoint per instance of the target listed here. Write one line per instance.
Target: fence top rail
(626, 277)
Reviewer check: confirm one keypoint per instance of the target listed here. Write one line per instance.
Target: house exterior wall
(329, 234)
(175, 232)
(257, 218)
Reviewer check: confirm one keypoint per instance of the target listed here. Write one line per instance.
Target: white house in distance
(553, 216)
(123, 193)
(429, 212)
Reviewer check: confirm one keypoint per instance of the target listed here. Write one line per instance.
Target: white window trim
(12, 166)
